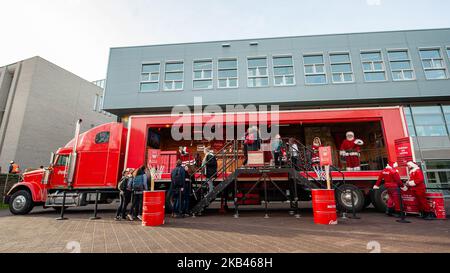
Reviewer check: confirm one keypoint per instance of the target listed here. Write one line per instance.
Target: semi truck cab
(94, 165)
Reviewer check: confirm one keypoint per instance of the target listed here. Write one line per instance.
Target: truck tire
(21, 202)
(367, 200)
(380, 198)
(343, 198)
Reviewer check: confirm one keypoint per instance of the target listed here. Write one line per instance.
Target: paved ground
(40, 232)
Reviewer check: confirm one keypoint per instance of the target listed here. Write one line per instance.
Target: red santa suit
(417, 185)
(392, 182)
(350, 150)
(183, 154)
(315, 157)
(315, 154)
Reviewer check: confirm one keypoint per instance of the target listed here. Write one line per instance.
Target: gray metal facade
(123, 94)
(39, 106)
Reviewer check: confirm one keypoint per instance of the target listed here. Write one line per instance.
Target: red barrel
(153, 208)
(409, 203)
(324, 207)
(437, 204)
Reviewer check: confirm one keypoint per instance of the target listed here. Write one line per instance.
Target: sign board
(255, 159)
(153, 158)
(326, 157)
(404, 150)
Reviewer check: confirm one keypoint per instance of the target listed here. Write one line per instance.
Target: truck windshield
(62, 160)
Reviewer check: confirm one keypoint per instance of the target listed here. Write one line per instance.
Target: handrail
(225, 165)
(219, 152)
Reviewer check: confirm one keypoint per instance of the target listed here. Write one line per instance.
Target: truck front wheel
(21, 202)
(380, 198)
(344, 198)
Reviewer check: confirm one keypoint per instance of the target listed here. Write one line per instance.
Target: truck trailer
(89, 167)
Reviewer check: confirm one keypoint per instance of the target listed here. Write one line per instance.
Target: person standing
(351, 152)
(178, 178)
(188, 181)
(392, 182)
(293, 152)
(13, 168)
(417, 185)
(124, 186)
(210, 161)
(139, 185)
(276, 149)
(315, 159)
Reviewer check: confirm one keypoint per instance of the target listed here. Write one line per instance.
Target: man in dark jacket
(124, 186)
(178, 180)
(139, 185)
(210, 161)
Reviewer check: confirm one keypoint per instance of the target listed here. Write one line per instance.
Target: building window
(258, 74)
(203, 74)
(409, 121)
(314, 66)
(174, 76)
(433, 64)
(448, 53)
(429, 121)
(373, 66)
(438, 175)
(446, 110)
(341, 68)
(228, 73)
(283, 71)
(150, 77)
(401, 66)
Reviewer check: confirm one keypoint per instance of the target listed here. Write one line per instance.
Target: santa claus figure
(350, 152)
(183, 154)
(418, 188)
(392, 182)
(315, 158)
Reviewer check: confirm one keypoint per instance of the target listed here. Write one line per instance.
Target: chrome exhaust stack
(73, 155)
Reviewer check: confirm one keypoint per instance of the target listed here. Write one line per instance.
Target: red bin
(409, 203)
(153, 208)
(324, 207)
(437, 204)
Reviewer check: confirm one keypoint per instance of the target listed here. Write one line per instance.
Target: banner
(405, 151)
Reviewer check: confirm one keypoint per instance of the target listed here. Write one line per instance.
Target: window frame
(256, 77)
(108, 133)
(412, 69)
(57, 159)
(203, 79)
(165, 73)
(430, 69)
(314, 65)
(149, 81)
(419, 124)
(341, 73)
(228, 78)
(284, 76)
(383, 60)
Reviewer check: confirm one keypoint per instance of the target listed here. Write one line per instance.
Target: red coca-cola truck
(94, 160)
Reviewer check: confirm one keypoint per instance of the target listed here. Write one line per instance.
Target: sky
(77, 34)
